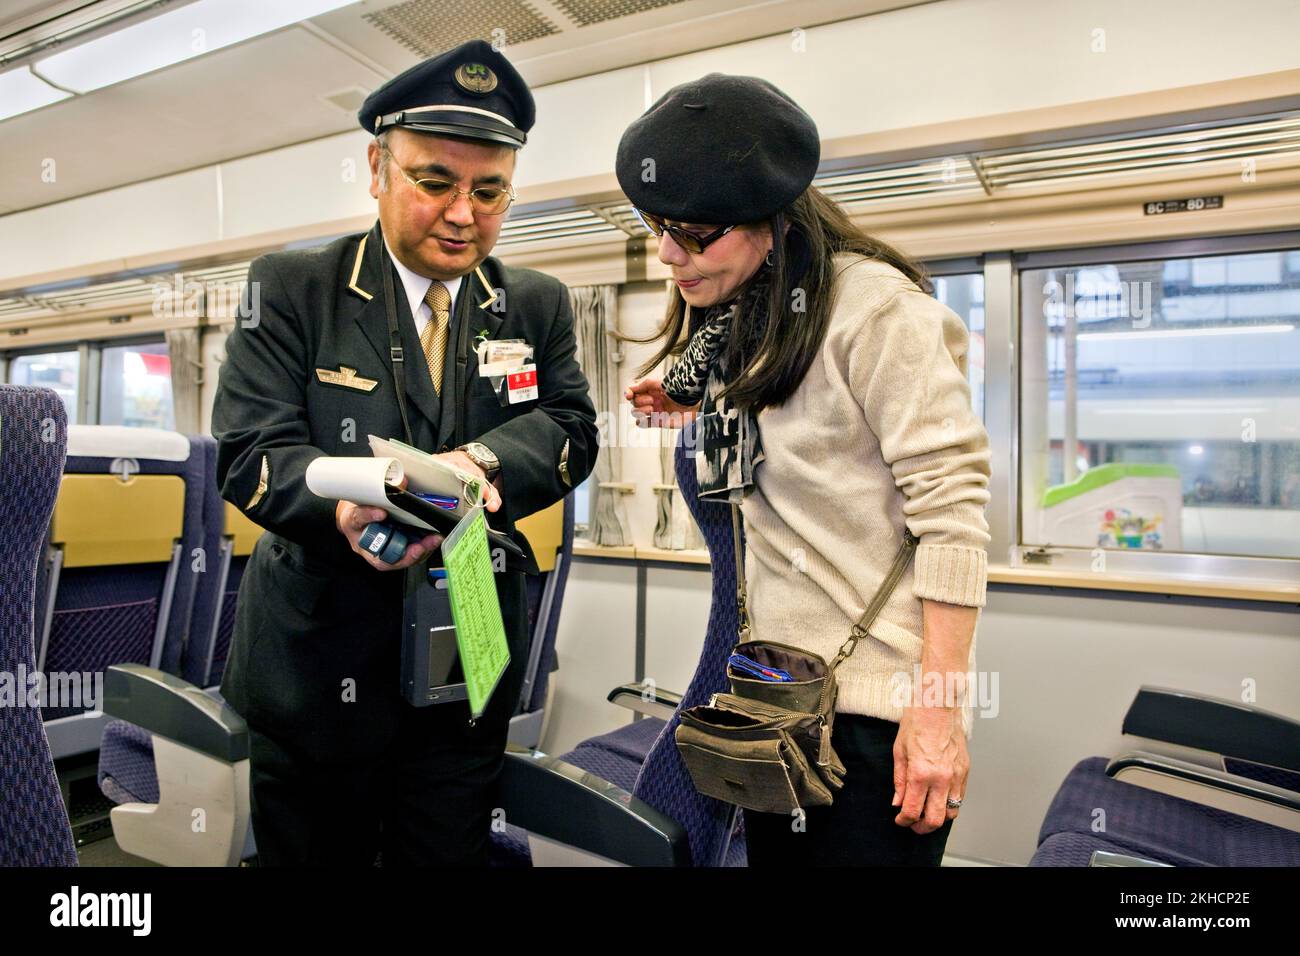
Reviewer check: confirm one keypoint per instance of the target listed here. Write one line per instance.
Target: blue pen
(442, 501)
(743, 663)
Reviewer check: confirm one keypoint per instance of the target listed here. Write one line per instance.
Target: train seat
(34, 829)
(1238, 805)
(122, 566)
(574, 814)
(550, 535)
(618, 755)
(128, 766)
(228, 539)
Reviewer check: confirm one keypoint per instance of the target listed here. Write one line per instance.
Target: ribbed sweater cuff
(950, 575)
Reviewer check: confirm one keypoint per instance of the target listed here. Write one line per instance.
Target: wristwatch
(481, 455)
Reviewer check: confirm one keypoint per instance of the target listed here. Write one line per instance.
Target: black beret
(725, 149)
(471, 91)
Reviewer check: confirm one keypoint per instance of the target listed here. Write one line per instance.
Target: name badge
(499, 357)
(521, 385)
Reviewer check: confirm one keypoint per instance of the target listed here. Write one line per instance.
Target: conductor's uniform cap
(471, 91)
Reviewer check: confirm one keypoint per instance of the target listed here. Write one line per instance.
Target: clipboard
(426, 473)
(443, 520)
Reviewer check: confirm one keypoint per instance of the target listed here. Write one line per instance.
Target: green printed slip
(475, 609)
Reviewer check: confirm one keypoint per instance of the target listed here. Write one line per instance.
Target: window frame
(89, 366)
(9, 356)
(98, 347)
(1008, 536)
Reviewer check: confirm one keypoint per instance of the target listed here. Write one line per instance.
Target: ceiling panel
(270, 91)
(253, 97)
(427, 27)
(554, 40)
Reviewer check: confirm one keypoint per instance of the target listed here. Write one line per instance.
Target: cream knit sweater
(879, 430)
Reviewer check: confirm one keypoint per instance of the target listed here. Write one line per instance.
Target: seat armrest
(1107, 858)
(1224, 727)
(175, 709)
(1209, 787)
(556, 800)
(643, 698)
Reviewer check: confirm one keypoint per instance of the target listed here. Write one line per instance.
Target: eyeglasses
(687, 240)
(485, 200)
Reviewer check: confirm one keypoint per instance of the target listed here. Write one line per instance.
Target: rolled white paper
(362, 481)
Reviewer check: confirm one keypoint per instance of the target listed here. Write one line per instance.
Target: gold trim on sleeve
(564, 465)
(263, 482)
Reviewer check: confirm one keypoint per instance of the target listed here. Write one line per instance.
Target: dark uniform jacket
(314, 660)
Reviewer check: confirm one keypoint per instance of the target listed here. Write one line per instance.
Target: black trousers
(426, 799)
(423, 795)
(858, 829)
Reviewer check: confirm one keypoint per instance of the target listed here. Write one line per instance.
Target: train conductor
(343, 769)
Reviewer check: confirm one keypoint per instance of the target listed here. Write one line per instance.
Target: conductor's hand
(352, 519)
(652, 408)
(491, 489)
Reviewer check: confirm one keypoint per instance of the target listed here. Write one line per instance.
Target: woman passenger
(830, 399)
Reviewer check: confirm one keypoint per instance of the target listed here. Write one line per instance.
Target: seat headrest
(119, 441)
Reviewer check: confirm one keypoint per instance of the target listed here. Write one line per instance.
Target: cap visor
(491, 132)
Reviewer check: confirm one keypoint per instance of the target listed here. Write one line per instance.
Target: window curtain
(675, 528)
(595, 315)
(183, 349)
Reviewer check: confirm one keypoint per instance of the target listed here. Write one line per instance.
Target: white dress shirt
(417, 287)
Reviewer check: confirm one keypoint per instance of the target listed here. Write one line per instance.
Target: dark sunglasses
(687, 240)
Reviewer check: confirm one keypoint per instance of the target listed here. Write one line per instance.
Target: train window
(1158, 405)
(60, 371)
(135, 386)
(964, 294)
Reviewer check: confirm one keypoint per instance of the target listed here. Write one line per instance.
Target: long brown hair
(797, 323)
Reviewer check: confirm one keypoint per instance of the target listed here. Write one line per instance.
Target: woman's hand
(652, 408)
(931, 765)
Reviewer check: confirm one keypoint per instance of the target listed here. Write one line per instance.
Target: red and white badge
(521, 385)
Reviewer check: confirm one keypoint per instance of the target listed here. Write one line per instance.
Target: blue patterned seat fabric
(618, 755)
(1076, 849)
(34, 828)
(1143, 823)
(126, 769)
(197, 660)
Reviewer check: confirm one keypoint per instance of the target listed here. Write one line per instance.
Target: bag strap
(742, 605)
(859, 631)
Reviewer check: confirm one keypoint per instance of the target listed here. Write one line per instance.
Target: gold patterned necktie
(433, 337)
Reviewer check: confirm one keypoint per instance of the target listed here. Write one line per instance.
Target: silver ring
(953, 804)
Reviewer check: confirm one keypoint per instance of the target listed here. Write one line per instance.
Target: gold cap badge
(476, 77)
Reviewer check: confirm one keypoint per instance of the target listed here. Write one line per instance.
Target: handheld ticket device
(430, 666)
(454, 643)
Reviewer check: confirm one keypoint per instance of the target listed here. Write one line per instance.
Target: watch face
(482, 456)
